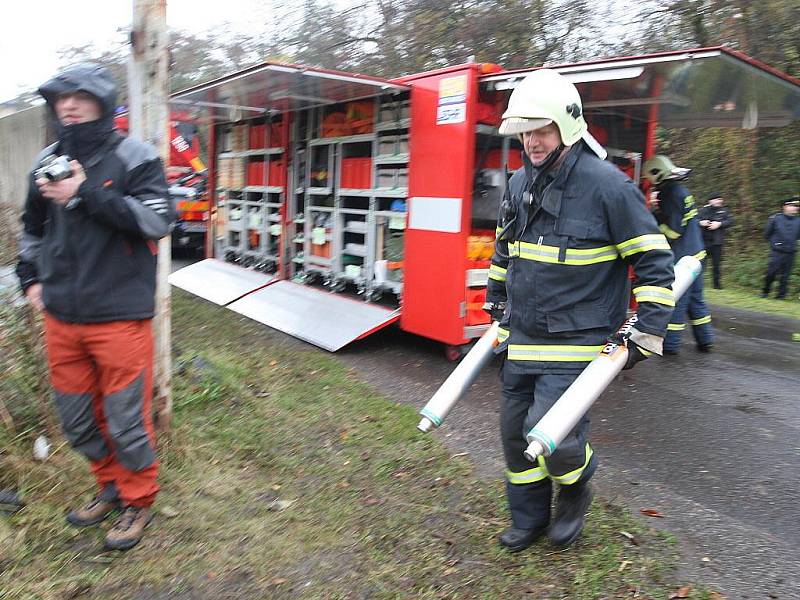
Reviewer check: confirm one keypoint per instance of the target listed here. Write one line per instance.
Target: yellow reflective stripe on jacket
(574, 256)
(498, 231)
(701, 320)
(529, 476)
(653, 293)
(672, 235)
(553, 353)
(676, 326)
(573, 476)
(642, 243)
(691, 212)
(497, 273)
(700, 255)
(502, 334)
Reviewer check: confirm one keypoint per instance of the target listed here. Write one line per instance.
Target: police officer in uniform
(782, 233)
(570, 225)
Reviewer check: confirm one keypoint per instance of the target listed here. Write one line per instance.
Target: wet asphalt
(710, 441)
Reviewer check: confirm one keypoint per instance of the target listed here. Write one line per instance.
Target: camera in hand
(54, 168)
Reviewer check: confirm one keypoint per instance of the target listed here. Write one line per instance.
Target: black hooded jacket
(96, 256)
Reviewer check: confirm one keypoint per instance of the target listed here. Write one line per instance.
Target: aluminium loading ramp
(219, 282)
(325, 319)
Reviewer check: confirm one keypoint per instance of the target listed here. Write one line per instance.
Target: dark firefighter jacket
(96, 257)
(715, 213)
(782, 232)
(677, 219)
(566, 279)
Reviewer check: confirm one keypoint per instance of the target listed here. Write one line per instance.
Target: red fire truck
(344, 203)
(187, 177)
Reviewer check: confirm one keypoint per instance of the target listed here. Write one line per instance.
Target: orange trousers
(102, 378)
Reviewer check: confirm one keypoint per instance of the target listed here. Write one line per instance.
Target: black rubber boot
(514, 540)
(530, 514)
(573, 502)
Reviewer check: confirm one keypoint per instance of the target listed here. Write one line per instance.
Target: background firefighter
(676, 214)
(570, 225)
(87, 258)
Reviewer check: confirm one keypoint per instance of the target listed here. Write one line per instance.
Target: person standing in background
(714, 218)
(782, 233)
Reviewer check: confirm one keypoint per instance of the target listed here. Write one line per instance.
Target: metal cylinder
(575, 402)
(436, 410)
(686, 271)
(556, 424)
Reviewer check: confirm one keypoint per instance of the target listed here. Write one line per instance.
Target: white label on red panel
(435, 214)
(451, 113)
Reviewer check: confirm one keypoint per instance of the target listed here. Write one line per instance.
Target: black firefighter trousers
(526, 399)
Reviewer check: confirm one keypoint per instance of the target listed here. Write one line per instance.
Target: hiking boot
(573, 502)
(514, 540)
(93, 512)
(128, 529)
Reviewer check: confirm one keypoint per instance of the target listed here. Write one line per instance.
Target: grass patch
(285, 476)
(749, 299)
(743, 279)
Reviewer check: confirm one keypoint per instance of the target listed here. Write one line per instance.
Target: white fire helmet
(543, 97)
(660, 168)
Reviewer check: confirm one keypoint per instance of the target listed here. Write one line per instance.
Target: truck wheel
(454, 353)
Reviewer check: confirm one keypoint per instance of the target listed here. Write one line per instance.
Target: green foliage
(9, 229)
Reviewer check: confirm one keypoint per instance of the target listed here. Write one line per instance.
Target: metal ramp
(219, 282)
(322, 318)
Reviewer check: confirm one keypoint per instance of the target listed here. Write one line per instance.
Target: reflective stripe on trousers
(692, 304)
(526, 398)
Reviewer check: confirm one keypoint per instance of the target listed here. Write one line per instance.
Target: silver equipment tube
(438, 407)
(556, 424)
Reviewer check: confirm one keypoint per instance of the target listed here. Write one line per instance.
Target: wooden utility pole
(148, 99)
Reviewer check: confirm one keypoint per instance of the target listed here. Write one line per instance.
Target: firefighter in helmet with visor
(676, 215)
(570, 225)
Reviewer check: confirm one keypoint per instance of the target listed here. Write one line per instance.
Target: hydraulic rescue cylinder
(556, 424)
(438, 407)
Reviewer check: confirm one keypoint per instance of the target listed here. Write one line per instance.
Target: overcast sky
(34, 31)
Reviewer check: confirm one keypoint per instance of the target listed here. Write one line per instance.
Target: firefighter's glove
(635, 352)
(495, 310)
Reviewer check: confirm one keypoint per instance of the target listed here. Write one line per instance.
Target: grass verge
(748, 299)
(284, 476)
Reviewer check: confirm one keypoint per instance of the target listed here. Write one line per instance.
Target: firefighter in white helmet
(570, 225)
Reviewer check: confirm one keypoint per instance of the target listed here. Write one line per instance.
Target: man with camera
(97, 202)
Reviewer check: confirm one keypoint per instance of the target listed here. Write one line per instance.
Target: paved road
(710, 441)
